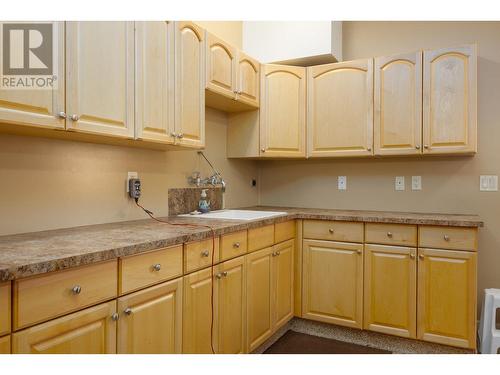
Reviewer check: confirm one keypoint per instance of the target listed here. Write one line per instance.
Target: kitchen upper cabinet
(340, 109)
(447, 297)
(259, 296)
(398, 105)
(151, 320)
(332, 282)
(89, 331)
(189, 84)
(283, 111)
(154, 99)
(450, 108)
(390, 290)
(283, 281)
(221, 66)
(38, 108)
(248, 80)
(100, 78)
(230, 297)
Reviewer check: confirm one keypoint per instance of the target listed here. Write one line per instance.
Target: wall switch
(416, 182)
(342, 182)
(130, 176)
(488, 183)
(399, 183)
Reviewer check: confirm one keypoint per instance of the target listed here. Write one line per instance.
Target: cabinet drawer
(233, 245)
(448, 238)
(284, 231)
(259, 238)
(44, 297)
(391, 234)
(4, 308)
(198, 254)
(333, 230)
(139, 271)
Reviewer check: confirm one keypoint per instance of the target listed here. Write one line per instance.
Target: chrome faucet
(214, 180)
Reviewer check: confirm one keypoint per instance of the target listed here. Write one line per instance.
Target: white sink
(237, 215)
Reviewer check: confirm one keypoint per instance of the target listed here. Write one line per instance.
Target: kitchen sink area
(236, 215)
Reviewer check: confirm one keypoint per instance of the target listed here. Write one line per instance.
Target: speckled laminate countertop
(24, 255)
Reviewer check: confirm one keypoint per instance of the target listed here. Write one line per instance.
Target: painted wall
(450, 184)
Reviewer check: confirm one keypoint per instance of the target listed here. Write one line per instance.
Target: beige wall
(450, 184)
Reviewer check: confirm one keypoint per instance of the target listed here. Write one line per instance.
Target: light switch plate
(488, 183)
(130, 175)
(342, 182)
(399, 183)
(416, 182)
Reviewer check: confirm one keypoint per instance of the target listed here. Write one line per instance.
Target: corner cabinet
(340, 109)
(450, 101)
(398, 105)
(283, 111)
(189, 84)
(100, 78)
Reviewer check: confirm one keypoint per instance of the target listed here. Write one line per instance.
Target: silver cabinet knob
(417, 147)
(75, 117)
(331, 230)
(157, 267)
(368, 148)
(412, 256)
(236, 245)
(262, 150)
(426, 146)
(218, 276)
(62, 115)
(421, 257)
(274, 254)
(359, 251)
(224, 273)
(128, 311)
(446, 237)
(239, 92)
(77, 289)
(389, 234)
(205, 253)
(173, 134)
(115, 317)
(278, 253)
(180, 135)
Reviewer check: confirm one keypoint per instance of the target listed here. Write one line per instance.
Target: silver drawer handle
(446, 237)
(128, 311)
(75, 117)
(77, 289)
(157, 267)
(389, 234)
(331, 230)
(115, 317)
(62, 115)
(236, 245)
(205, 253)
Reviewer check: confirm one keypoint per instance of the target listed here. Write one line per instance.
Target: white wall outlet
(130, 175)
(488, 183)
(399, 183)
(416, 182)
(342, 182)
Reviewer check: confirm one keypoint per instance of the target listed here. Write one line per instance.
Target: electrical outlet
(130, 176)
(399, 183)
(342, 182)
(488, 183)
(416, 182)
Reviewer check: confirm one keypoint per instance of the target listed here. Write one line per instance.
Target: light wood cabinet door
(5, 308)
(450, 108)
(283, 279)
(197, 313)
(283, 111)
(154, 81)
(390, 290)
(38, 108)
(447, 283)
(398, 105)
(248, 80)
(100, 78)
(230, 296)
(221, 66)
(333, 282)
(151, 320)
(189, 85)
(260, 291)
(340, 109)
(5, 345)
(89, 331)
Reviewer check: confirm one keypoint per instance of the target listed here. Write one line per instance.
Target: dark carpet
(300, 343)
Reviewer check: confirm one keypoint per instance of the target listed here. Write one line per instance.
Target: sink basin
(237, 215)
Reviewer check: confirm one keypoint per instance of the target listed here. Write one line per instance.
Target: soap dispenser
(203, 204)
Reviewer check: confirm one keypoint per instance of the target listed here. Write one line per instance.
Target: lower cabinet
(89, 331)
(283, 282)
(5, 345)
(447, 288)
(333, 282)
(151, 320)
(390, 290)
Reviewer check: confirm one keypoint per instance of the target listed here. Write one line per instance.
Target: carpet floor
(300, 343)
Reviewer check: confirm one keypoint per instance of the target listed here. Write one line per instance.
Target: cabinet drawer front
(448, 238)
(141, 270)
(284, 231)
(259, 238)
(233, 245)
(41, 298)
(4, 308)
(391, 234)
(199, 254)
(333, 230)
